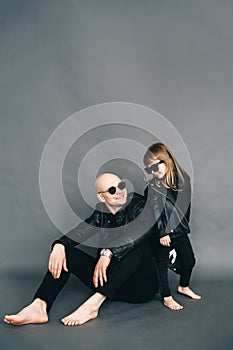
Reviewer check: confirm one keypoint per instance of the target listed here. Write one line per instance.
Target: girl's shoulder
(150, 184)
(154, 188)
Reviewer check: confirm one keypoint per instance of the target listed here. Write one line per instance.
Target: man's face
(106, 185)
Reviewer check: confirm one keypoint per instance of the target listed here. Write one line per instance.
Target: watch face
(106, 252)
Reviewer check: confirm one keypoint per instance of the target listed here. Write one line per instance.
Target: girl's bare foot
(187, 291)
(171, 304)
(33, 313)
(86, 312)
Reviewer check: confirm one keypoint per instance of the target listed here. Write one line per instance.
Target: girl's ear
(101, 197)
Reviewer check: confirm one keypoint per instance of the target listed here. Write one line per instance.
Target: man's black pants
(131, 279)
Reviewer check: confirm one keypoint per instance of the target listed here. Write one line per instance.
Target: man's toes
(9, 319)
(174, 307)
(6, 321)
(68, 322)
(71, 323)
(198, 297)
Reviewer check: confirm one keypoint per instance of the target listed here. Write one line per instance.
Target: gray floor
(204, 324)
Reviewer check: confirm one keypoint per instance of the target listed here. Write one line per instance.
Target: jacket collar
(166, 192)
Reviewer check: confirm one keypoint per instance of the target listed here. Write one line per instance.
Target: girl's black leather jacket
(120, 232)
(171, 209)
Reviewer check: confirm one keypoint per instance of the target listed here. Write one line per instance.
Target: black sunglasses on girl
(154, 167)
(112, 190)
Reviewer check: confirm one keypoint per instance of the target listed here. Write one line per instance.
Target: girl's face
(160, 173)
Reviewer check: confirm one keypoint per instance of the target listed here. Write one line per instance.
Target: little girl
(169, 194)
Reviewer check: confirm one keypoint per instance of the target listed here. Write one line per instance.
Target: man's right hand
(57, 260)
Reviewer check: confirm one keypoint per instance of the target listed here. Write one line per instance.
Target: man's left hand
(100, 272)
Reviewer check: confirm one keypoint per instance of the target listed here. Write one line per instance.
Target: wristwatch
(106, 252)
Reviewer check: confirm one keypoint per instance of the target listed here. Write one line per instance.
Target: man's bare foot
(86, 312)
(171, 304)
(33, 313)
(187, 291)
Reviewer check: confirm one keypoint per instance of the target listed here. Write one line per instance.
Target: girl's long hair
(174, 176)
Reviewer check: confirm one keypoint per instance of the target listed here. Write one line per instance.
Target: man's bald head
(106, 180)
(114, 201)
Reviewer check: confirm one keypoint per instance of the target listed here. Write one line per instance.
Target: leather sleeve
(82, 232)
(157, 205)
(171, 217)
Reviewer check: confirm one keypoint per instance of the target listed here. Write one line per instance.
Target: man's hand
(166, 241)
(100, 271)
(57, 260)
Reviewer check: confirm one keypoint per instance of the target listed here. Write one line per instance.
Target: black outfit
(131, 272)
(171, 209)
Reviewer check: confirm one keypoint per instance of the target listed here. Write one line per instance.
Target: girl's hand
(166, 241)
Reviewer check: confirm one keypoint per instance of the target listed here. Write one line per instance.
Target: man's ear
(101, 197)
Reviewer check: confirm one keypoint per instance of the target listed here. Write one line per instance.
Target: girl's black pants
(184, 249)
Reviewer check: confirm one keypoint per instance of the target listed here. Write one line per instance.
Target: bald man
(123, 268)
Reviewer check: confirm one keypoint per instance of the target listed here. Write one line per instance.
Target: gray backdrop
(58, 57)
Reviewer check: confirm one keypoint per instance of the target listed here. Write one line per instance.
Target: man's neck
(113, 209)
